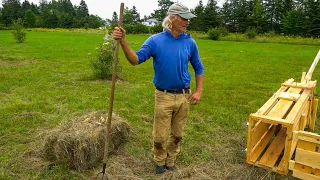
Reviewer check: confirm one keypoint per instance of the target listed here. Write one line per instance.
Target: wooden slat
(310, 139)
(272, 101)
(270, 120)
(297, 109)
(298, 85)
(262, 143)
(273, 152)
(280, 109)
(314, 114)
(302, 175)
(259, 129)
(308, 158)
(294, 142)
(289, 96)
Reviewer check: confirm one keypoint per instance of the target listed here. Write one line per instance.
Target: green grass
(48, 80)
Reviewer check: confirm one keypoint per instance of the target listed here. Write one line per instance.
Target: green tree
(66, 20)
(136, 15)
(196, 23)
(10, 11)
(258, 17)
(161, 13)
(114, 20)
(228, 14)
(312, 14)
(18, 32)
(294, 22)
(30, 19)
(83, 9)
(25, 7)
(95, 21)
(212, 17)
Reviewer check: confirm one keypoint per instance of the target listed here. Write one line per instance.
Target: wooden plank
(303, 122)
(303, 76)
(259, 129)
(289, 96)
(270, 120)
(272, 101)
(313, 114)
(280, 109)
(281, 166)
(297, 109)
(273, 152)
(308, 158)
(298, 85)
(261, 145)
(302, 175)
(294, 142)
(309, 136)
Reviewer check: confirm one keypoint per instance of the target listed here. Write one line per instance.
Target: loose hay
(80, 143)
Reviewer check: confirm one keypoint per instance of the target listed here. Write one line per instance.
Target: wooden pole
(309, 74)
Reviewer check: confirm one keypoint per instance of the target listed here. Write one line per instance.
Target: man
(171, 50)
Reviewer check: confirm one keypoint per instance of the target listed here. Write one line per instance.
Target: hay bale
(80, 143)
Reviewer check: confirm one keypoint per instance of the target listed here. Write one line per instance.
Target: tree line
(290, 17)
(53, 14)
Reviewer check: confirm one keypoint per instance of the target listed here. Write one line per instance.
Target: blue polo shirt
(170, 59)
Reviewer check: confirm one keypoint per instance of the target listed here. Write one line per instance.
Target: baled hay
(80, 144)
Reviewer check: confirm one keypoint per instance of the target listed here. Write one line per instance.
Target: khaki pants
(170, 112)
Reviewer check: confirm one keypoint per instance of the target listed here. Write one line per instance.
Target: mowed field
(47, 80)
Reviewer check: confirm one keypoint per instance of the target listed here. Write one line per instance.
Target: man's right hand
(119, 34)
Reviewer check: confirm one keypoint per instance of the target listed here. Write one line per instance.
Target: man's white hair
(167, 23)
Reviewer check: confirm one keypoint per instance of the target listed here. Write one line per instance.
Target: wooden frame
(270, 134)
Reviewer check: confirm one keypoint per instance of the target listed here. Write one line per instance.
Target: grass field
(47, 80)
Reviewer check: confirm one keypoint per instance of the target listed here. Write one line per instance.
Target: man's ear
(172, 17)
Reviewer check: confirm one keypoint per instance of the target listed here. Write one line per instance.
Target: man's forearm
(129, 52)
(199, 81)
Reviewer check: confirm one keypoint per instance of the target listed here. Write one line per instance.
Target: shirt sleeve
(196, 61)
(146, 50)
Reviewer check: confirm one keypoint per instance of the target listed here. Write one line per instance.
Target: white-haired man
(171, 50)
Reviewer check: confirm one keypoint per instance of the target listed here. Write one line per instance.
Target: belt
(175, 91)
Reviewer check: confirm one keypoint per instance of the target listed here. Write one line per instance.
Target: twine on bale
(80, 143)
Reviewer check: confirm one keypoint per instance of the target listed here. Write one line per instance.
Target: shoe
(160, 169)
(171, 168)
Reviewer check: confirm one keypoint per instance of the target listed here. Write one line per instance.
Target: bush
(18, 32)
(224, 31)
(156, 28)
(251, 33)
(102, 61)
(214, 33)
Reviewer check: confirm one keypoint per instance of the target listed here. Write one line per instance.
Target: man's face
(180, 24)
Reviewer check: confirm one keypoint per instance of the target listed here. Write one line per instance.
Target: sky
(105, 8)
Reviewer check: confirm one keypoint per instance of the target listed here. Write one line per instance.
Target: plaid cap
(181, 10)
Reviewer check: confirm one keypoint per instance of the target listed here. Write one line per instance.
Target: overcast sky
(105, 8)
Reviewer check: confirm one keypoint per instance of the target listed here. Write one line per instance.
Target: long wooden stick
(309, 74)
(114, 75)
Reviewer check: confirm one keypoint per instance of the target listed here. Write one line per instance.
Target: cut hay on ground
(80, 143)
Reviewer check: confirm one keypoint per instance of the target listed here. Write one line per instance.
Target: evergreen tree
(135, 14)
(258, 17)
(30, 19)
(211, 18)
(115, 19)
(83, 9)
(196, 23)
(10, 11)
(312, 15)
(127, 16)
(25, 7)
(294, 22)
(161, 13)
(243, 13)
(228, 14)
